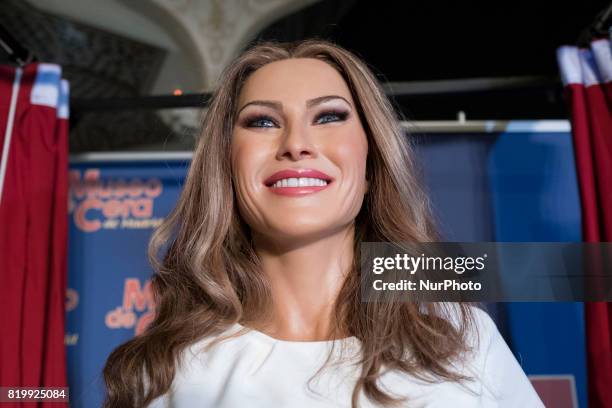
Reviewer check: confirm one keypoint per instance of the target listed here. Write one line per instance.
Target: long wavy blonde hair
(208, 276)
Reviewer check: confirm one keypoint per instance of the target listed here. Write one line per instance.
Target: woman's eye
(327, 117)
(261, 121)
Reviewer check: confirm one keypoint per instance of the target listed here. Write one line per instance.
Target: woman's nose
(296, 144)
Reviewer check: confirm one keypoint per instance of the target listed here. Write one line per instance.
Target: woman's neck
(305, 280)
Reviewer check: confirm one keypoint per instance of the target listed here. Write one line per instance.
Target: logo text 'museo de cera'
(112, 203)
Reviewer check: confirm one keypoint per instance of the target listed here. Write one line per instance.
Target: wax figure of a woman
(257, 288)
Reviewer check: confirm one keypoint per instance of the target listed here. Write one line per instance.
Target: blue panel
(534, 186)
(111, 220)
(455, 175)
(517, 186)
(535, 198)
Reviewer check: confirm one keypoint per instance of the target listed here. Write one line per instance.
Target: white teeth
(300, 182)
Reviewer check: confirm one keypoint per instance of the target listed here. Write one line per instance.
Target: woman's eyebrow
(309, 103)
(315, 101)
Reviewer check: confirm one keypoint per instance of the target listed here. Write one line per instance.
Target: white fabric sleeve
(505, 384)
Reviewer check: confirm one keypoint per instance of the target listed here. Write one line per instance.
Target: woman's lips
(296, 182)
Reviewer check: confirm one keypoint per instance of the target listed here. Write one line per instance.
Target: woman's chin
(296, 233)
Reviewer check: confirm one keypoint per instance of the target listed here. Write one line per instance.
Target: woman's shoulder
(204, 362)
(503, 379)
(495, 378)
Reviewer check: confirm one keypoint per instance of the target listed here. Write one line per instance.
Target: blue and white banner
(114, 207)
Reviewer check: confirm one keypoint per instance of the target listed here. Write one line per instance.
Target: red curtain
(587, 75)
(33, 227)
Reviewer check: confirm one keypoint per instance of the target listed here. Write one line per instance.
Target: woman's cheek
(240, 170)
(349, 152)
(353, 182)
(248, 160)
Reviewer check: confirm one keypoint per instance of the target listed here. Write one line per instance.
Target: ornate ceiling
(126, 48)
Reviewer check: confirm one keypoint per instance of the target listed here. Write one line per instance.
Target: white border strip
(129, 156)
(10, 120)
(488, 126)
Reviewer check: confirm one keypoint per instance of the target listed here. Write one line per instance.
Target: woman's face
(298, 151)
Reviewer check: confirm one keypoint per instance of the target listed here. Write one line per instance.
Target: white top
(258, 371)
